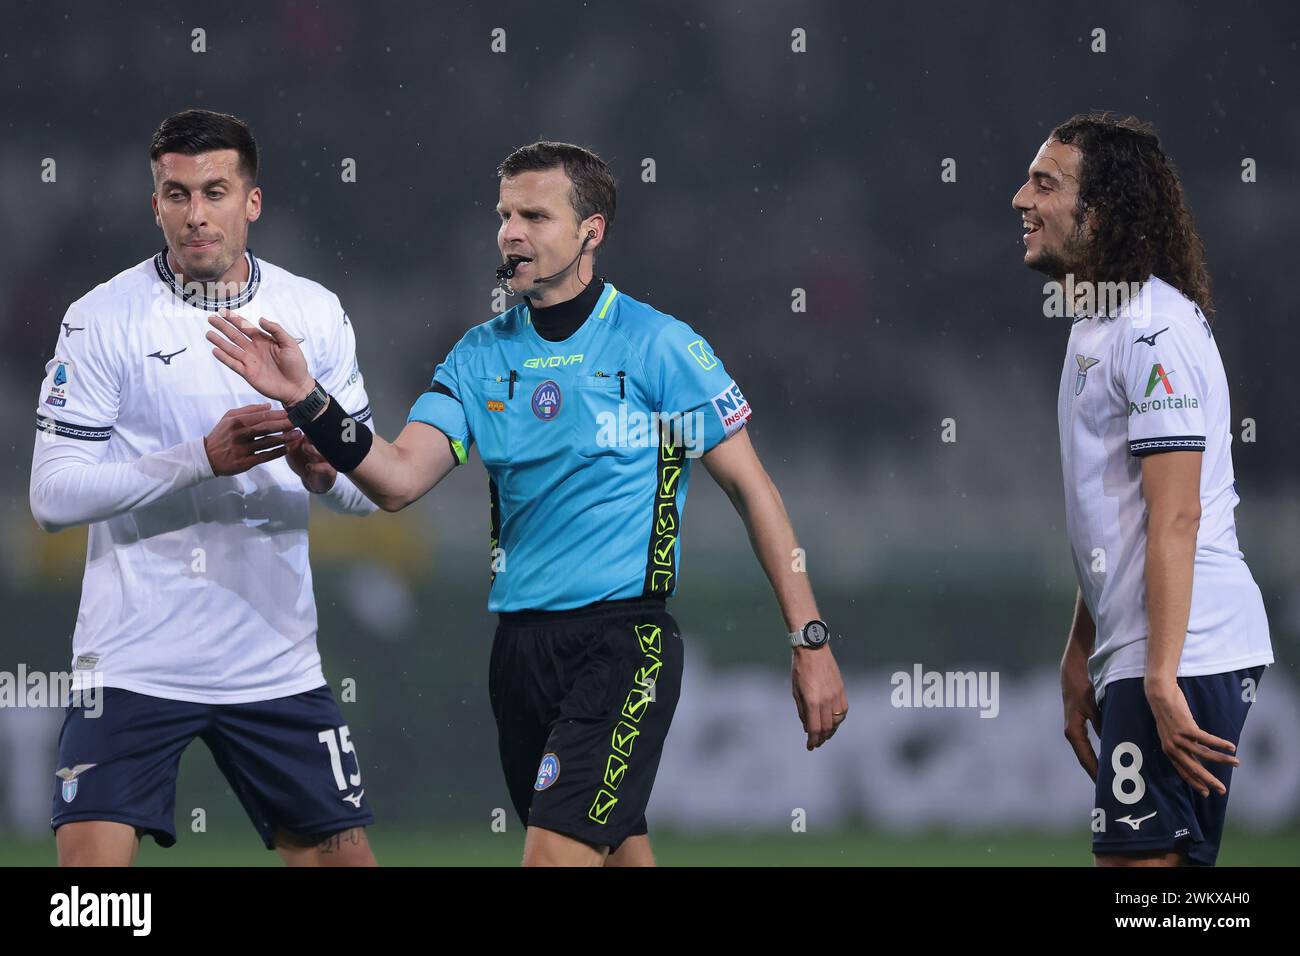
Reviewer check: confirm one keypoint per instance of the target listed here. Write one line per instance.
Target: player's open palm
(268, 358)
(818, 693)
(1185, 744)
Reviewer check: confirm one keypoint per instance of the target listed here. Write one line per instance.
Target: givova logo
(553, 361)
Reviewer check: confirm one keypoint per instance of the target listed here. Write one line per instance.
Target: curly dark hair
(1142, 223)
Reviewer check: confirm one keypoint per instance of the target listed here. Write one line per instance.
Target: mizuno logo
(355, 798)
(1150, 339)
(166, 359)
(69, 329)
(1140, 820)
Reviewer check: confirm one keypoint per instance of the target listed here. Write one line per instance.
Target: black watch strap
(300, 413)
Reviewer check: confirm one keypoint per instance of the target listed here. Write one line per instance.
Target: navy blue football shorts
(290, 761)
(1142, 805)
(583, 700)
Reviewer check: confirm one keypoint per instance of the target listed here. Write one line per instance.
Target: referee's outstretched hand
(818, 693)
(268, 358)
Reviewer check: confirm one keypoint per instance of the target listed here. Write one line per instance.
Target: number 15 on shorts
(338, 743)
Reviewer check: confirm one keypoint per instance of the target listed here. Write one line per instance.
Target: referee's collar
(555, 323)
(194, 292)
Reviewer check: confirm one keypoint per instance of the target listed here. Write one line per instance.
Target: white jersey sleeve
(83, 381)
(1165, 383)
(77, 409)
(340, 375)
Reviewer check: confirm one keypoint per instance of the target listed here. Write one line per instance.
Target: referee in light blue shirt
(588, 408)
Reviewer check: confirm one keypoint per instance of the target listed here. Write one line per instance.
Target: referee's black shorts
(583, 700)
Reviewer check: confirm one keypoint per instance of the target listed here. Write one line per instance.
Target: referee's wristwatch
(812, 635)
(304, 412)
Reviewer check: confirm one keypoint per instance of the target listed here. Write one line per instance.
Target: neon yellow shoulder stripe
(613, 294)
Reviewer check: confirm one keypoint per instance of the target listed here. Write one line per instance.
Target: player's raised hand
(1080, 701)
(1184, 743)
(818, 693)
(317, 474)
(246, 437)
(267, 358)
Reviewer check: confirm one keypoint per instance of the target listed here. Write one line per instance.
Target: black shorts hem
(317, 831)
(589, 835)
(1197, 852)
(164, 838)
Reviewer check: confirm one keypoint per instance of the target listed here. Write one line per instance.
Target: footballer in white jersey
(1170, 638)
(197, 612)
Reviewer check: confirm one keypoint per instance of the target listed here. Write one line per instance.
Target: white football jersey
(198, 589)
(1146, 381)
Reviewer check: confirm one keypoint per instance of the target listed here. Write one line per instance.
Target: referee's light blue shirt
(586, 499)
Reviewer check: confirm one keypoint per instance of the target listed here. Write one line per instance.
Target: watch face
(815, 633)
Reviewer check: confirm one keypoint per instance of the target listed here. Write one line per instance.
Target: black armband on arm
(338, 436)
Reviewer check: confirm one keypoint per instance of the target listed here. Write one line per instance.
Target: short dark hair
(194, 131)
(1144, 225)
(594, 190)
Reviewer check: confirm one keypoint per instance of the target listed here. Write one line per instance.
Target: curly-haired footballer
(1169, 638)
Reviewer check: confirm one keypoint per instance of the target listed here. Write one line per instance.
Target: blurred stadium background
(774, 171)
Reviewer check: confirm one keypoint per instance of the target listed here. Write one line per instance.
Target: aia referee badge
(1081, 379)
(548, 772)
(546, 401)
